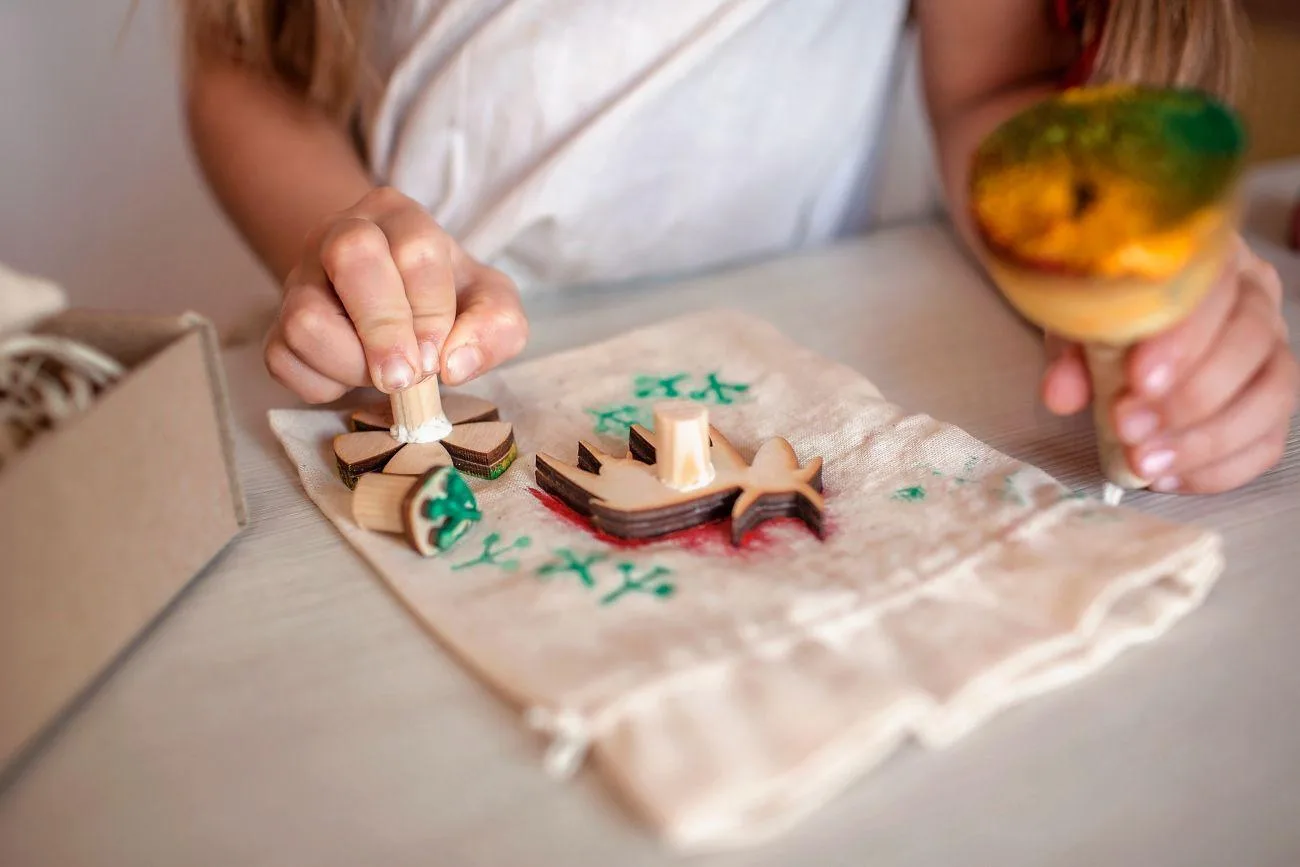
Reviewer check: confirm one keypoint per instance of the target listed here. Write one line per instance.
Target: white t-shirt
(574, 141)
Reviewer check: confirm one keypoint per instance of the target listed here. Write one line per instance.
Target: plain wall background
(97, 189)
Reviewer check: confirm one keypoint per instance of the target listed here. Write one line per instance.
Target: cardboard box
(105, 520)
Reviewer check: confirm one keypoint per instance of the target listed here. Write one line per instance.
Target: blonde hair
(1185, 43)
(314, 46)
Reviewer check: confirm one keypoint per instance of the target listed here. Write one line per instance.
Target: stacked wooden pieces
(636, 497)
(432, 510)
(478, 443)
(404, 461)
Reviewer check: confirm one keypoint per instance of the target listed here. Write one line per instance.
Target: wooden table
(288, 711)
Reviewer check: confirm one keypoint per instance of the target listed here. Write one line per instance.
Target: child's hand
(383, 296)
(1209, 403)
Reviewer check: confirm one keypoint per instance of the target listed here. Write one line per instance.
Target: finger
(1066, 387)
(424, 253)
(1261, 273)
(490, 328)
(296, 375)
(318, 331)
(1155, 366)
(357, 260)
(1265, 405)
(1244, 345)
(1230, 473)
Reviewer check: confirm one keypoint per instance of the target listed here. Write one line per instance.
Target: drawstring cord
(570, 739)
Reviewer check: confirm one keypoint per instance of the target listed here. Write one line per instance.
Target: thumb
(1066, 387)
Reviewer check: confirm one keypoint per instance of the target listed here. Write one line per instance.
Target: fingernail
(1155, 463)
(464, 363)
(1137, 425)
(1167, 485)
(1158, 379)
(395, 373)
(429, 356)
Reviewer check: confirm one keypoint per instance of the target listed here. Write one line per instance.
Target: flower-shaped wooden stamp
(420, 430)
(432, 511)
(684, 475)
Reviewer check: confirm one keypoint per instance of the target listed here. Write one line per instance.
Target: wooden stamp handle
(377, 501)
(417, 413)
(683, 462)
(1106, 364)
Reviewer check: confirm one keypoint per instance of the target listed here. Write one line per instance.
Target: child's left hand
(1209, 402)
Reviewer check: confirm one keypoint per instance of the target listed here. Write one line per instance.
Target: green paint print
(914, 494)
(650, 583)
(493, 553)
(569, 563)
(586, 568)
(719, 392)
(618, 420)
(659, 386)
(966, 470)
(1010, 492)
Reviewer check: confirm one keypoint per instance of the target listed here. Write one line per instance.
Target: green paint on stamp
(448, 504)
(506, 463)
(914, 494)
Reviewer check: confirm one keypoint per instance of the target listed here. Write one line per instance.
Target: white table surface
(288, 711)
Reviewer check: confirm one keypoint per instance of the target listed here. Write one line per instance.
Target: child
(426, 148)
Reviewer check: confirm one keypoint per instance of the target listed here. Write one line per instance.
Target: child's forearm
(958, 139)
(277, 166)
(982, 60)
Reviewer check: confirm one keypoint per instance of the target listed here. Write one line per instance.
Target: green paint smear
(1185, 144)
(506, 462)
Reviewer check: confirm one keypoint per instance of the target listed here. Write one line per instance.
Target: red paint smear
(714, 538)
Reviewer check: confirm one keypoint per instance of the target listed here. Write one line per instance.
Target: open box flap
(132, 339)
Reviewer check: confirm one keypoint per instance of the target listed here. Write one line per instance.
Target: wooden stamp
(681, 477)
(417, 413)
(432, 510)
(474, 440)
(1107, 214)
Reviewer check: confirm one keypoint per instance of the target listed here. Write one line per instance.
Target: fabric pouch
(729, 692)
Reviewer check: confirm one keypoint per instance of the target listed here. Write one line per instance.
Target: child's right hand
(383, 296)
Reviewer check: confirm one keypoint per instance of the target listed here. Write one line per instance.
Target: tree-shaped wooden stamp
(432, 510)
(420, 429)
(684, 475)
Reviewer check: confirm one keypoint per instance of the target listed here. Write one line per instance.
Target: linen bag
(729, 692)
